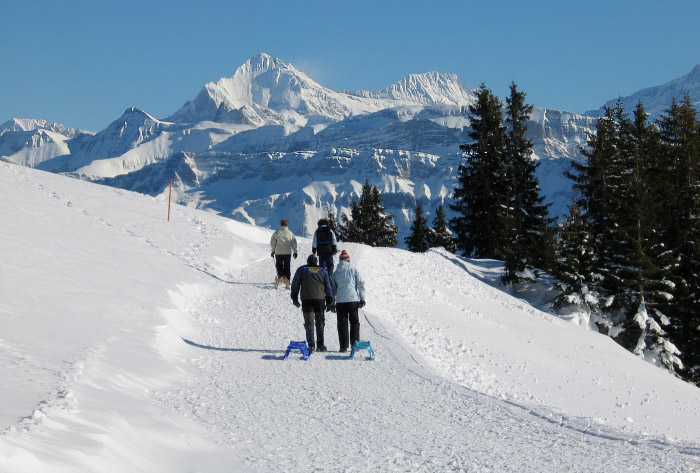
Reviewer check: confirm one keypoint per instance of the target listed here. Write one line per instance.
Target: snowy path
(392, 414)
(131, 343)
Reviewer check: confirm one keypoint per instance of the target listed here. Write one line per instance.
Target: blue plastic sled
(301, 346)
(362, 345)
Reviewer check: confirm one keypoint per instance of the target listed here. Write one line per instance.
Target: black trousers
(282, 263)
(314, 315)
(348, 312)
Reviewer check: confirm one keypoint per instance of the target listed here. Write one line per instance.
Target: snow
(131, 343)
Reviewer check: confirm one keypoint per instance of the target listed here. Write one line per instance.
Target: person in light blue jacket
(349, 297)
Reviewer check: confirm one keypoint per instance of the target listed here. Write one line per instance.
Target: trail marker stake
(170, 194)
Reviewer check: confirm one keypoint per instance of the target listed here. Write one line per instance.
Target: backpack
(324, 241)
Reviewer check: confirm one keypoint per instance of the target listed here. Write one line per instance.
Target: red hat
(344, 256)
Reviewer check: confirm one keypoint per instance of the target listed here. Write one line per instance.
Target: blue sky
(82, 63)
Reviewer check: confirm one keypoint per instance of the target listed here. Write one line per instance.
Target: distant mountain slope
(658, 99)
(269, 142)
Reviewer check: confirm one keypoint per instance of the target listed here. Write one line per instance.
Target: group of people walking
(320, 287)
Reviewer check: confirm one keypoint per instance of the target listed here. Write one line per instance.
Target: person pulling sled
(349, 296)
(313, 285)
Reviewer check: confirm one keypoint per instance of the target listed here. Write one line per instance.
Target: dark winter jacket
(311, 282)
(324, 241)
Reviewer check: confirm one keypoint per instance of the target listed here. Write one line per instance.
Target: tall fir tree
(611, 250)
(369, 223)
(680, 153)
(633, 279)
(440, 234)
(592, 190)
(479, 201)
(573, 264)
(417, 240)
(529, 236)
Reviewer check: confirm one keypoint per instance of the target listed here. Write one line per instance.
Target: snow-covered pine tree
(591, 183)
(480, 201)
(633, 279)
(440, 235)
(680, 156)
(369, 223)
(573, 266)
(529, 238)
(417, 240)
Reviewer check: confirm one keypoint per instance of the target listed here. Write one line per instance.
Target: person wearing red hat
(349, 297)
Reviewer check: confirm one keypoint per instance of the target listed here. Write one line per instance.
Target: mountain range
(271, 143)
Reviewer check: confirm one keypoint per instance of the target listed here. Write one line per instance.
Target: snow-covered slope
(658, 99)
(131, 343)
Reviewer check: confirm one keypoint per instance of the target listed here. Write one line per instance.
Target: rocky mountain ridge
(269, 142)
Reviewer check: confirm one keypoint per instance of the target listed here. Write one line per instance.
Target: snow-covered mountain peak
(274, 89)
(430, 88)
(31, 124)
(133, 116)
(279, 93)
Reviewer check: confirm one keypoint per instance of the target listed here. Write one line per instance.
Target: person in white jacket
(349, 297)
(283, 245)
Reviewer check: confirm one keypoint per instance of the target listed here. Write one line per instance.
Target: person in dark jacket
(349, 296)
(313, 285)
(326, 245)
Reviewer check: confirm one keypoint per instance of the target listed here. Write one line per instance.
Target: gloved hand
(329, 303)
(272, 255)
(295, 255)
(296, 303)
(361, 305)
(333, 308)
(335, 250)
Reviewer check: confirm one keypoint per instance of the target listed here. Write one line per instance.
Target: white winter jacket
(347, 284)
(283, 242)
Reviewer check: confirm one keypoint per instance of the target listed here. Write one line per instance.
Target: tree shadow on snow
(244, 350)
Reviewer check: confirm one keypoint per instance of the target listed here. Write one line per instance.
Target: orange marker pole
(170, 194)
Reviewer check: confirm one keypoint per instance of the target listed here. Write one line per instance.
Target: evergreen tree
(680, 154)
(440, 235)
(369, 222)
(610, 250)
(480, 203)
(528, 222)
(573, 264)
(591, 187)
(417, 241)
(633, 278)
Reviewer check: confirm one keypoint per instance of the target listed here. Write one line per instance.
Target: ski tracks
(333, 414)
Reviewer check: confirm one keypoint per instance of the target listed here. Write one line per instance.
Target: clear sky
(82, 63)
